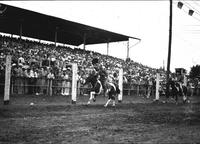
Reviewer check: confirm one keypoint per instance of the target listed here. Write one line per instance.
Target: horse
(109, 88)
(177, 89)
(113, 90)
(96, 86)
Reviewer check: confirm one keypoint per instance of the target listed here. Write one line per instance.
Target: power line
(192, 16)
(189, 9)
(183, 2)
(190, 6)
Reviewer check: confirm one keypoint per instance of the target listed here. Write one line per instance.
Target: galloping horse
(177, 89)
(97, 88)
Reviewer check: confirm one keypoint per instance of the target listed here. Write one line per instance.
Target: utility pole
(169, 49)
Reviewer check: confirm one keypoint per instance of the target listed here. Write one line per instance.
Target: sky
(147, 20)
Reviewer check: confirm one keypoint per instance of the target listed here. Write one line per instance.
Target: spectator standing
(38, 81)
(50, 78)
(65, 83)
(58, 81)
(26, 78)
(190, 86)
(32, 80)
(19, 80)
(43, 87)
(149, 85)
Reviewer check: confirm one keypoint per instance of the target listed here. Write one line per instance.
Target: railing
(131, 89)
(30, 86)
(44, 86)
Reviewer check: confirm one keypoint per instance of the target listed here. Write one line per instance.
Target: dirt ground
(54, 120)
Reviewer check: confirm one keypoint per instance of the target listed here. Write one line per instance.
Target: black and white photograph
(100, 72)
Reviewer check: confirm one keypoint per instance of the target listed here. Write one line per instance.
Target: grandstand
(33, 61)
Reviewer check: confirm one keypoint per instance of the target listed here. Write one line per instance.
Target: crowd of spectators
(34, 59)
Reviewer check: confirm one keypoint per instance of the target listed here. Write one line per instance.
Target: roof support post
(107, 48)
(20, 30)
(56, 33)
(128, 49)
(84, 40)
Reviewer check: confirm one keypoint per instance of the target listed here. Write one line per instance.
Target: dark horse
(178, 90)
(109, 88)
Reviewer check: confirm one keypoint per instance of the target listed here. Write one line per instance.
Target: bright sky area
(147, 20)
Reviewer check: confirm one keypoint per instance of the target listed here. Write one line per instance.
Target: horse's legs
(91, 97)
(108, 101)
(113, 103)
(176, 98)
(105, 90)
(184, 93)
(110, 98)
(184, 98)
(176, 93)
(94, 97)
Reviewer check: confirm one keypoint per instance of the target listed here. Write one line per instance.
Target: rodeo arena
(60, 94)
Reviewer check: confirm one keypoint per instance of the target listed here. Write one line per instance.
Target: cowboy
(101, 71)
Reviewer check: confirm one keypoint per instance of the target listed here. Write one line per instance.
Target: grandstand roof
(41, 26)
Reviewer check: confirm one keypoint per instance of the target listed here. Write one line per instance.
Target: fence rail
(37, 86)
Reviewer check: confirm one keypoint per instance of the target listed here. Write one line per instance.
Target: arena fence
(31, 86)
(71, 86)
